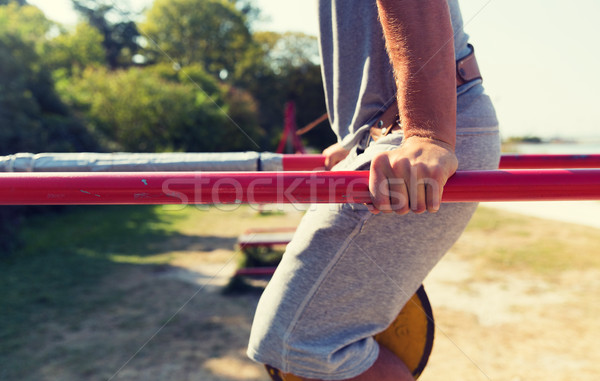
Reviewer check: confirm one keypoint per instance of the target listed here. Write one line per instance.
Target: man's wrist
(430, 138)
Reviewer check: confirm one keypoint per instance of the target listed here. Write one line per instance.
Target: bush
(143, 110)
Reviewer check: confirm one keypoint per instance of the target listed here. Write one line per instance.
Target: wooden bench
(262, 238)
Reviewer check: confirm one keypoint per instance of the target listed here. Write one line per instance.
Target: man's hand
(419, 41)
(334, 154)
(412, 176)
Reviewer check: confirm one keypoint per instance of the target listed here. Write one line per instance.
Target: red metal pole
(308, 162)
(314, 162)
(549, 161)
(286, 187)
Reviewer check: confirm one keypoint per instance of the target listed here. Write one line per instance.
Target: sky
(539, 58)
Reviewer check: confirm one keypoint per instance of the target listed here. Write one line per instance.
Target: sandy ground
(513, 328)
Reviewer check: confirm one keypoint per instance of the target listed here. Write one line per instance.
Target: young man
(351, 268)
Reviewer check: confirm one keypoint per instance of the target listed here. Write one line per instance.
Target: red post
(289, 131)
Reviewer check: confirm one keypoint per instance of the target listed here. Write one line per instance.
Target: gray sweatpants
(347, 273)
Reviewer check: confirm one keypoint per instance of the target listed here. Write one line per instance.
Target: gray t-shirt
(357, 74)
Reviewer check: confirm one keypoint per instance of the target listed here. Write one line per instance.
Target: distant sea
(555, 148)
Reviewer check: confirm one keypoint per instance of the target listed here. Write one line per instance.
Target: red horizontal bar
(549, 161)
(280, 187)
(315, 162)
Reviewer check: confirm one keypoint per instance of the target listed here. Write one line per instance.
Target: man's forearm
(419, 39)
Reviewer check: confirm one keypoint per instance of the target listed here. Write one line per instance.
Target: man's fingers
(334, 154)
(378, 183)
(400, 184)
(332, 160)
(381, 194)
(418, 198)
(398, 196)
(433, 189)
(329, 163)
(416, 190)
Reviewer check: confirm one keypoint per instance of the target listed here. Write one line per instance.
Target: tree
(27, 22)
(120, 38)
(73, 51)
(272, 67)
(212, 33)
(32, 116)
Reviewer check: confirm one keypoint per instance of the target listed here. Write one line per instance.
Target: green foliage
(212, 33)
(32, 116)
(272, 67)
(139, 110)
(28, 22)
(242, 127)
(192, 74)
(120, 38)
(73, 51)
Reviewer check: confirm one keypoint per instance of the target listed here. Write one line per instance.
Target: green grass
(65, 256)
(504, 241)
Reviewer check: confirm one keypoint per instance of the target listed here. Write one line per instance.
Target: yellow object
(410, 337)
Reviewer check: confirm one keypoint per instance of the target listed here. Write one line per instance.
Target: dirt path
(513, 328)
